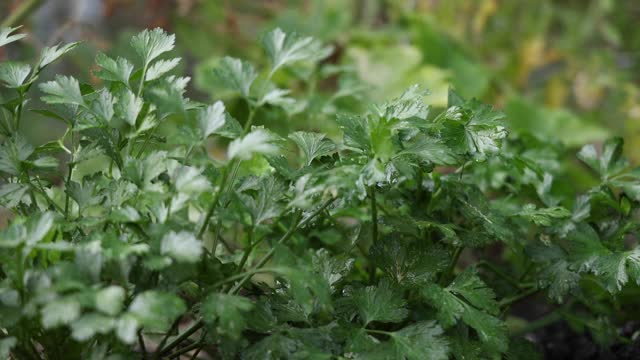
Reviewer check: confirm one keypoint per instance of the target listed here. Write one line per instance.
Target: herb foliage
(305, 245)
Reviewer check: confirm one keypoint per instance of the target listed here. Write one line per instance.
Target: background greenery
(566, 70)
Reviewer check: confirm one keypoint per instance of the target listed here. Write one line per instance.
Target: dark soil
(559, 341)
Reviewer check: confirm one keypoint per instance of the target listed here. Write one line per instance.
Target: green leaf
(356, 132)
(161, 67)
(469, 299)
(13, 194)
(211, 119)
(255, 142)
(409, 105)
(60, 312)
(236, 75)
(149, 44)
(422, 340)
(113, 70)
(129, 107)
(156, 310)
(109, 300)
(469, 285)
(285, 48)
(610, 163)
(103, 105)
(408, 263)
(545, 216)
(13, 153)
(313, 145)
(227, 312)
(379, 303)
(63, 90)
(13, 75)
(53, 53)
(332, 268)
(182, 246)
(277, 97)
(6, 37)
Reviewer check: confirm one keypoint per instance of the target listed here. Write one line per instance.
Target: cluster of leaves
(301, 246)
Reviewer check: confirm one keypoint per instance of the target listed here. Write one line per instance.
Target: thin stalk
(374, 227)
(500, 273)
(174, 326)
(444, 278)
(283, 239)
(247, 125)
(70, 167)
(143, 347)
(513, 299)
(144, 74)
(546, 320)
(184, 350)
(247, 250)
(252, 272)
(195, 326)
(214, 202)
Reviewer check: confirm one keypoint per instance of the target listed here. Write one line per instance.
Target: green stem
(243, 274)
(283, 239)
(374, 228)
(70, 166)
(214, 202)
(195, 326)
(247, 125)
(513, 299)
(185, 349)
(174, 326)
(445, 277)
(546, 320)
(144, 74)
(500, 273)
(247, 250)
(21, 13)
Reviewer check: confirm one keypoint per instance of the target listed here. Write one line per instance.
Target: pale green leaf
(285, 48)
(256, 142)
(156, 310)
(211, 119)
(113, 70)
(62, 90)
(53, 53)
(161, 67)
(6, 344)
(149, 44)
(13, 74)
(313, 145)
(181, 246)
(189, 180)
(89, 325)
(6, 37)
(129, 107)
(110, 299)
(236, 75)
(60, 312)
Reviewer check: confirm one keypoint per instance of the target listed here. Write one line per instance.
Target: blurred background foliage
(564, 70)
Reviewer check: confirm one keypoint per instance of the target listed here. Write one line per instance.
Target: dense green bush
(297, 246)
